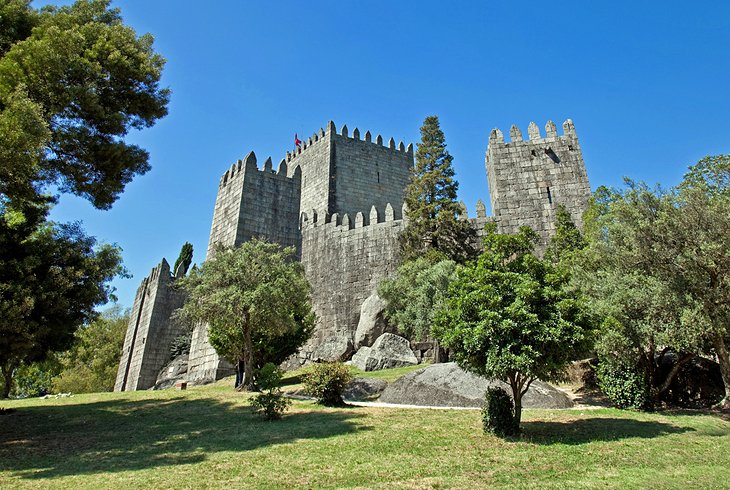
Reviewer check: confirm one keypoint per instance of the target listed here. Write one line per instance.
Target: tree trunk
(516, 385)
(723, 358)
(248, 383)
(655, 392)
(8, 384)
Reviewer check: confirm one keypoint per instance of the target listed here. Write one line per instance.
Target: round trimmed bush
(326, 381)
(498, 413)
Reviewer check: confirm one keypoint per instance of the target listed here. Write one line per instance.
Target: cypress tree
(434, 227)
(185, 257)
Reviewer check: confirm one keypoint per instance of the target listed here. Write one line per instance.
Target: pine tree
(433, 212)
(185, 258)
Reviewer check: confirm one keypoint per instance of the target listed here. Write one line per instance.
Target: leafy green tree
(433, 212)
(418, 288)
(510, 316)
(567, 238)
(73, 81)
(90, 365)
(695, 252)
(51, 278)
(252, 291)
(185, 258)
(625, 270)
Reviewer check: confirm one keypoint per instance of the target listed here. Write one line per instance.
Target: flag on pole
(297, 142)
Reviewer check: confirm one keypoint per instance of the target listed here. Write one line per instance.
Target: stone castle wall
(344, 174)
(529, 178)
(256, 203)
(150, 331)
(344, 259)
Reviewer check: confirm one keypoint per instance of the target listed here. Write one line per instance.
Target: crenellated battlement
(249, 166)
(496, 137)
(345, 222)
(331, 131)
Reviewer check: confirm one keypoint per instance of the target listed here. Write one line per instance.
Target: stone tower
(335, 198)
(528, 178)
(150, 331)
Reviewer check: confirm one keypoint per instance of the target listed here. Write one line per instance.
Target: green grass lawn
(208, 437)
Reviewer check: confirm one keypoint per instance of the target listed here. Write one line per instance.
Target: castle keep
(338, 198)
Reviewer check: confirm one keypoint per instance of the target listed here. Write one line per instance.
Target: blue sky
(646, 84)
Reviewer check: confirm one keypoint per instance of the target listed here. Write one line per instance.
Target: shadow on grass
(582, 431)
(122, 435)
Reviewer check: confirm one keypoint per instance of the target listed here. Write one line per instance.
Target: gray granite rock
(388, 351)
(448, 385)
(174, 371)
(364, 389)
(333, 348)
(372, 323)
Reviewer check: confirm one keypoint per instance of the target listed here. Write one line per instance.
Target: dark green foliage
(185, 258)
(270, 403)
(35, 379)
(498, 413)
(413, 294)
(433, 212)
(91, 364)
(626, 386)
(251, 297)
(51, 277)
(74, 80)
(567, 238)
(326, 381)
(511, 316)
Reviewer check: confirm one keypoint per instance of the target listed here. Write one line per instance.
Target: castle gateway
(338, 198)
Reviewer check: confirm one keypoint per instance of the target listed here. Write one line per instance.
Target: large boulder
(372, 322)
(698, 383)
(447, 385)
(388, 351)
(176, 370)
(364, 389)
(333, 348)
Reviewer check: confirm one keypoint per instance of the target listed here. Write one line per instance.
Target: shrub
(327, 381)
(35, 379)
(498, 415)
(270, 403)
(625, 385)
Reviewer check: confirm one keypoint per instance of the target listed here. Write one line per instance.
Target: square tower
(528, 179)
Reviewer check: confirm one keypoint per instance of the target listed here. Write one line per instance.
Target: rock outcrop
(372, 323)
(176, 370)
(333, 348)
(388, 351)
(447, 385)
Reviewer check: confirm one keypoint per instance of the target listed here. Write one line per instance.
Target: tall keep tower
(529, 178)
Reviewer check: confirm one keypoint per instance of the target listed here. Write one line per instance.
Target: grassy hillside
(208, 437)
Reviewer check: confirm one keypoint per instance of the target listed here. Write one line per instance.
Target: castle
(338, 199)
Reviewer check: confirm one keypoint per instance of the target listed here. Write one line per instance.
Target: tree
(510, 316)
(430, 197)
(246, 293)
(51, 278)
(418, 288)
(627, 270)
(696, 252)
(185, 258)
(90, 365)
(567, 238)
(74, 80)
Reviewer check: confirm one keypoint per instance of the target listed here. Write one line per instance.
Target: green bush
(35, 379)
(498, 414)
(270, 403)
(326, 381)
(626, 386)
